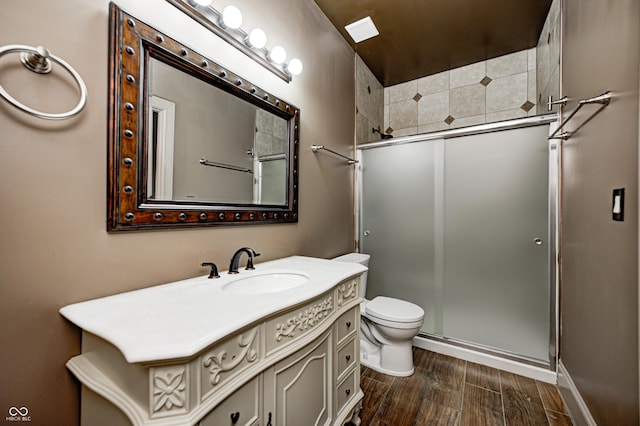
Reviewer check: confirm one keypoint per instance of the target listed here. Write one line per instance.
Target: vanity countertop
(181, 318)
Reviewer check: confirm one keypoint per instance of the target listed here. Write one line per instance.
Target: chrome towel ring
(38, 59)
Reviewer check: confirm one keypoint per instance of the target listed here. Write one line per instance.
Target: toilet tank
(362, 259)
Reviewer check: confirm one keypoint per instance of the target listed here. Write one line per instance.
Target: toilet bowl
(387, 328)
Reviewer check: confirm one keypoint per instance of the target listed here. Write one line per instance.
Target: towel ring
(39, 60)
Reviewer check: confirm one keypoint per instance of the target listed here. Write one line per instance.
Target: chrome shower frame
(555, 148)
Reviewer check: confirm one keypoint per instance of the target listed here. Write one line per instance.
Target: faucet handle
(251, 252)
(214, 269)
(250, 261)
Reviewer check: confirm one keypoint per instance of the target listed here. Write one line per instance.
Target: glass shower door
(398, 224)
(461, 227)
(496, 259)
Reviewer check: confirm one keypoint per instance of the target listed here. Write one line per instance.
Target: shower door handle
(538, 241)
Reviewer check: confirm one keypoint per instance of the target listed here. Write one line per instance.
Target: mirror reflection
(207, 145)
(191, 143)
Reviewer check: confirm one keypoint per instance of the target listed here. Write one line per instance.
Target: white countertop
(180, 319)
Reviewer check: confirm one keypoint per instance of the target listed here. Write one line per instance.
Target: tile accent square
(449, 120)
(485, 81)
(527, 106)
(417, 97)
(389, 130)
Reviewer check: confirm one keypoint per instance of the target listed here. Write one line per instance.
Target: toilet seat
(394, 310)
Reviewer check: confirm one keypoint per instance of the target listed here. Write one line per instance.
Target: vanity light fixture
(278, 54)
(256, 38)
(294, 66)
(231, 17)
(227, 25)
(200, 2)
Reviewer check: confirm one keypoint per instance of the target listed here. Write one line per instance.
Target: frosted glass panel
(496, 206)
(452, 225)
(397, 224)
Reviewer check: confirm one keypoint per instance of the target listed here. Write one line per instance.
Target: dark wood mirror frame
(132, 43)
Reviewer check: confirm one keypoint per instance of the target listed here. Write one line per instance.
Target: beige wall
(599, 288)
(54, 249)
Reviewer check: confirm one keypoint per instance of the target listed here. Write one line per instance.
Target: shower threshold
(490, 357)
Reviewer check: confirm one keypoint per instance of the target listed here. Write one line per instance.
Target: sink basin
(267, 282)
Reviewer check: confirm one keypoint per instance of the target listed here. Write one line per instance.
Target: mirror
(191, 143)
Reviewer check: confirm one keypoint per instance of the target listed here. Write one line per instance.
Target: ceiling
(424, 37)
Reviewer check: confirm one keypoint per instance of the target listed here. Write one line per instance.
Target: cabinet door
(241, 408)
(298, 388)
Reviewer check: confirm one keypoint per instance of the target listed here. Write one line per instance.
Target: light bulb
(278, 54)
(295, 66)
(231, 17)
(257, 38)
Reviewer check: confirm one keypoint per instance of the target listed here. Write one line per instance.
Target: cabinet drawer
(346, 357)
(241, 408)
(347, 324)
(290, 326)
(346, 390)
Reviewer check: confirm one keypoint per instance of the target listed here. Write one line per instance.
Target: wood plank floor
(450, 391)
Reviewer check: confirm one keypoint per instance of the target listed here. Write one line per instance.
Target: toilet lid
(397, 310)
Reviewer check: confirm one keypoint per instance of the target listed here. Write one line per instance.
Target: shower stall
(463, 223)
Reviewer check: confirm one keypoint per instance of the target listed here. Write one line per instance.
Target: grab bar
(38, 59)
(603, 99)
(225, 166)
(316, 148)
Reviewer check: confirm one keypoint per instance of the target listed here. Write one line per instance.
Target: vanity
(277, 345)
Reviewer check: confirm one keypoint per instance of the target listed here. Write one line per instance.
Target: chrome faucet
(233, 266)
(214, 269)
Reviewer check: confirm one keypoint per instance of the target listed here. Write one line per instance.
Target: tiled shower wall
(369, 104)
(493, 90)
(548, 59)
(511, 86)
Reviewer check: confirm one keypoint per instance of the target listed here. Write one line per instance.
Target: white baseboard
(514, 367)
(580, 413)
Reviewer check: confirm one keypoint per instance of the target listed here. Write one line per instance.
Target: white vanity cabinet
(295, 366)
(298, 389)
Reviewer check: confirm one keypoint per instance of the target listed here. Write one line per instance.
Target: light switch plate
(617, 210)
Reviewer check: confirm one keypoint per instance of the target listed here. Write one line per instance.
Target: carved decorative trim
(218, 364)
(169, 390)
(347, 291)
(305, 320)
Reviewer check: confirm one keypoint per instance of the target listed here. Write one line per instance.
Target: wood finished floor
(450, 391)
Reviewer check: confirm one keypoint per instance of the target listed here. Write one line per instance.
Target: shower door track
(518, 123)
(554, 185)
(486, 350)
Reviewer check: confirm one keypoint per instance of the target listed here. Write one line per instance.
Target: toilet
(387, 328)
